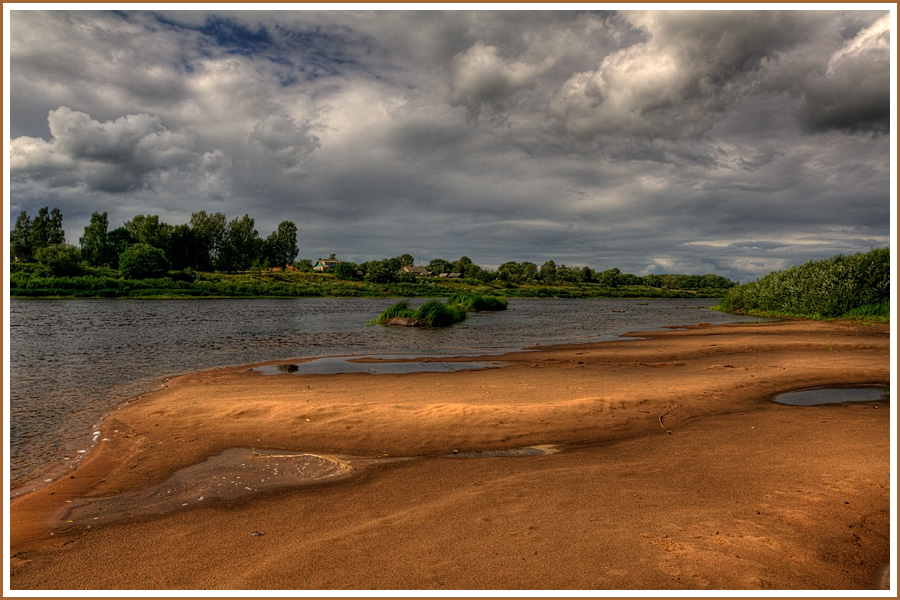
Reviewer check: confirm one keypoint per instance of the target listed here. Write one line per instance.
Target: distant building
(326, 265)
(451, 275)
(418, 271)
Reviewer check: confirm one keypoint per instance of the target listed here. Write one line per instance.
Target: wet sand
(663, 464)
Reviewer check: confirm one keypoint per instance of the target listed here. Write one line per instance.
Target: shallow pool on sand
(834, 396)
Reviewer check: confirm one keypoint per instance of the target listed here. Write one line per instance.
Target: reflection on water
(834, 396)
(74, 361)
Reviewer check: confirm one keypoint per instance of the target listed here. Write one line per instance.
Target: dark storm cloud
(724, 141)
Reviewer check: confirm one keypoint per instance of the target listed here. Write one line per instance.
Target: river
(72, 362)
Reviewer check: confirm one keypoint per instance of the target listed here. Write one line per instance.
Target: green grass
(472, 301)
(433, 313)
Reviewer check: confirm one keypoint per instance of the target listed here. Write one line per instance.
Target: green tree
(241, 247)
(510, 272)
(46, 229)
(439, 265)
(281, 246)
(460, 266)
(472, 271)
(209, 231)
(95, 244)
(119, 240)
(529, 270)
(380, 271)
(140, 261)
(183, 249)
(345, 270)
(148, 229)
(20, 246)
(547, 272)
(59, 260)
(609, 277)
(304, 264)
(406, 260)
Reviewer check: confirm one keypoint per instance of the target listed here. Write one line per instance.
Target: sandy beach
(656, 463)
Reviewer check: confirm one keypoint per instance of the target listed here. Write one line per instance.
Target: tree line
(145, 246)
(389, 270)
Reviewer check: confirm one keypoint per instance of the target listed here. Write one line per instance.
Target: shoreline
(594, 401)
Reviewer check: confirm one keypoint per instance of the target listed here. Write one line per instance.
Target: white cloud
(112, 156)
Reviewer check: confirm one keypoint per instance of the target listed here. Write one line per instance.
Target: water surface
(74, 361)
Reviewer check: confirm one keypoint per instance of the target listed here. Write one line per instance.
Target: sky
(736, 141)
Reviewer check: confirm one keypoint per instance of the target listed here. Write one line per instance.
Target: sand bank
(672, 469)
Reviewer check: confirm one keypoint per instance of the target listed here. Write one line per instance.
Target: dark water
(834, 396)
(74, 361)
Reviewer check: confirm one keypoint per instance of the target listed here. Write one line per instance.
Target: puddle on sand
(236, 473)
(232, 474)
(526, 451)
(374, 365)
(834, 396)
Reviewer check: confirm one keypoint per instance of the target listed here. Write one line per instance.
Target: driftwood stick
(665, 412)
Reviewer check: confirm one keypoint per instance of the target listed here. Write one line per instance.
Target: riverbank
(673, 470)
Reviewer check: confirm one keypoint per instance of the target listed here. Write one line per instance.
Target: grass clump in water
(432, 314)
(477, 302)
(437, 314)
(401, 309)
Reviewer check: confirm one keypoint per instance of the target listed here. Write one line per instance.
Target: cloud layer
(734, 142)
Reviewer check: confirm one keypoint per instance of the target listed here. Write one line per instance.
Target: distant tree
(653, 280)
(395, 264)
(20, 247)
(148, 229)
(406, 260)
(184, 249)
(241, 247)
(566, 274)
(59, 260)
(281, 246)
(140, 261)
(46, 229)
(609, 277)
(460, 266)
(628, 279)
(380, 271)
(547, 272)
(510, 272)
(439, 265)
(304, 264)
(346, 270)
(711, 280)
(586, 275)
(95, 244)
(119, 240)
(209, 231)
(472, 271)
(529, 270)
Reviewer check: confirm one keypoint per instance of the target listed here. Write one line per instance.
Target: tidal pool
(375, 365)
(834, 396)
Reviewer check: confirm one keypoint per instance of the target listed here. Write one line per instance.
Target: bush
(59, 260)
(140, 261)
(857, 286)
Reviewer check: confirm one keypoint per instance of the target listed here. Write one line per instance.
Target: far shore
(658, 463)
